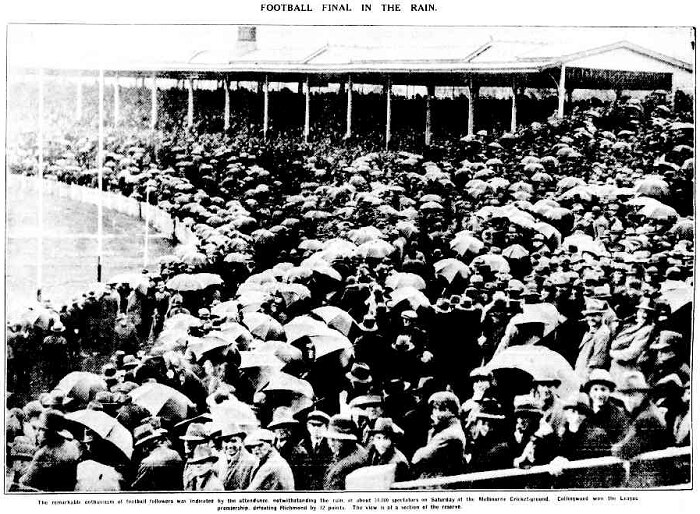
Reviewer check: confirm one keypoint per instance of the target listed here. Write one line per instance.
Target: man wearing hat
(665, 357)
(595, 345)
(161, 468)
(647, 430)
(365, 410)
(484, 435)
(285, 428)
(359, 379)
(273, 472)
(580, 439)
(53, 356)
(201, 475)
(195, 435)
(348, 455)
(20, 456)
(382, 447)
(444, 453)
(53, 466)
(604, 412)
(318, 452)
(629, 345)
(240, 463)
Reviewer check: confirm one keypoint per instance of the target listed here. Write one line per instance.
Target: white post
(307, 105)
(147, 221)
(514, 109)
(100, 165)
(348, 117)
(266, 107)
(116, 100)
(429, 116)
(473, 97)
(40, 178)
(190, 102)
(227, 105)
(562, 92)
(154, 102)
(79, 99)
(387, 135)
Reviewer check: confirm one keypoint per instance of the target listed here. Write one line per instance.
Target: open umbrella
(545, 313)
(38, 317)
(376, 249)
(181, 321)
(105, 426)
(678, 296)
(410, 295)
(161, 400)
(311, 244)
(133, 279)
(464, 243)
(515, 252)
(539, 362)
(653, 186)
(306, 326)
(398, 280)
(228, 308)
(263, 326)
(583, 243)
(450, 269)
(284, 382)
(497, 263)
(684, 229)
(292, 293)
(234, 411)
(364, 234)
(659, 211)
(336, 318)
(193, 281)
(252, 300)
(260, 359)
(82, 385)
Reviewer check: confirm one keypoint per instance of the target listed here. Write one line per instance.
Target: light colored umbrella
(193, 281)
(181, 321)
(306, 326)
(336, 318)
(584, 243)
(133, 279)
(263, 326)
(284, 382)
(659, 212)
(376, 249)
(161, 400)
(105, 426)
(464, 243)
(365, 234)
(515, 252)
(82, 385)
(399, 280)
(497, 263)
(450, 269)
(411, 295)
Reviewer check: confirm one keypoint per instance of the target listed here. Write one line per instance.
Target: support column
(79, 99)
(562, 92)
(40, 178)
(514, 109)
(116, 100)
(154, 102)
(429, 116)
(100, 165)
(266, 107)
(190, 102)
(473, 97)
(227, 104)
(307, 105)
(348, 116)
(387, 135)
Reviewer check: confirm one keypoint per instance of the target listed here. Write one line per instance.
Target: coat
(162, 470)
(647, 432)
(341, 468)
(207, 482)
(590, 441)
(628, 347)
(444, 453)
(240, 472)
(273, 474)
(593, 352)
(611, 418)
(318, 458)
(393, 456)
(54, 467)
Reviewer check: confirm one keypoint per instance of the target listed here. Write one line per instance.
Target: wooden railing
(669, 467)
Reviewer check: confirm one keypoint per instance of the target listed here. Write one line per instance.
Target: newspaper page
(349, 256)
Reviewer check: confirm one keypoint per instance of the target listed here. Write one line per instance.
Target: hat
(318, 417)
(259, 437)
(147, 432)
(58, 327)
(409, 314)
(195, 432)
(130, 362)
(632, 382)
(359, 374)
(56, 399)
(525, 404)
(282, 417)
(203, 313)
(387, 427)
(667, 340)
(543, 379)
(578, 401)
(645, 304)
(489, 409)
(599, 376)
(231, 430)
(446, 400)
(22, 448)
(52, 420)
(202, 453)
(342, 428)
(106, 398)
(366, 400)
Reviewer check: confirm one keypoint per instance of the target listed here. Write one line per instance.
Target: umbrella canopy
(181, 321)
(411, 295)
(193, 281)
(39, 317)
(465, 243)
(292, 293)
(678, 296)
(336, 318)
(311, 244)
(497, 263)
(450, 269)
(376, 249)
(306, 326)
(407, 228)
(228, 308)
(539, 362)
(364, 234)
(263, 326)
(515, 252)
(234, 411)
(260, 359)
(133, 279)
(82, 386)
(398, 280)
(284, 382)
(659, 211)
(653, 186)
(684, 229)
(539, 312)
(105, 426)
(161, 400)
(584, 243)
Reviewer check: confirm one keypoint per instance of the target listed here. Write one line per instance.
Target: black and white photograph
(266, 257)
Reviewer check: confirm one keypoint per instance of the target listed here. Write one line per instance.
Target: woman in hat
(605, 413)
(630, 344)
(202, 471)
(581, 439)
(348, 455)
(382, 447)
